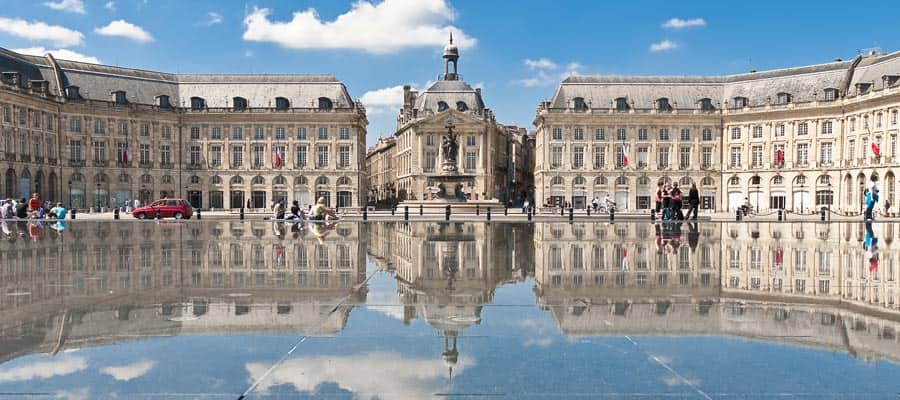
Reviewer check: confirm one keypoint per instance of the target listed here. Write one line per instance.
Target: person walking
(666, 203)
(659, 197)
(693, 201)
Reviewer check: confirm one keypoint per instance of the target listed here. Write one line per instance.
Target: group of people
(318, 212)
(670, 202)
(33, 208)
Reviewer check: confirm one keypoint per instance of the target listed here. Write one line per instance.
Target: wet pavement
(378, 310)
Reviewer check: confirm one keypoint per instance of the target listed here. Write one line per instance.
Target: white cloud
(665, 45)
(129, 372)
(547, 72)
(39, 31)
(678, 23)
(110, 5)
(126, 30)
(212, 18)
(383, 100)
(61, 54)
(382, 28)
(72, 6)
(44, 369)
(387, 376)
(74, 394)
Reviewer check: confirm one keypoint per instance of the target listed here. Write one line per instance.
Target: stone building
(796, 138)
(380, 170)
(221, 141)
(425, 119)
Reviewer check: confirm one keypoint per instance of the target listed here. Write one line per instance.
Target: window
(831, 94)
(620, 134)
(706, 157)
(579, 104)
(75, 124)
(325, 103)
(165, 153)
(72, 93)
(802, 154)
(779, 130)
(344, 133)
(144, 154)
(197, 103)
(259, 152)
(557, 133)
(664, 134)
(621, 104)
(735, 157)
(642, 134)
(461, 106)
(282, 103)
(685, 134)
(706, 134)
(50, 120)
(471, 160)
(741, 102)
(578, 157)
(300, 157)
(301, 133)
(643, 156)
(599, 157)
(194, 154)
(825, 153)
(556, 156)
(893, 119)
(322, 156)
(852, 124)
(878, 120)
(195, 132)
(735, 133)
(782, 98)
(343, 156)
(557, 180)
(802, 129)
(826, 127)
(663, 157)
(75, 150)
(706, 105)
(620, 156)
(279, 133)
(579, 133)
(430, 160)
(470, 140)
(323, 133)
(442, 106)
(684, 157)
(599, 134)
(99, 126)
(259, 133)
(662, 105)
(119, 97)
(757, 132)
(123, 128)
(215, 155)
(237, 156)
(99, 151)
(756, 156)
(865, 122)
(429, 140)
(237, 133)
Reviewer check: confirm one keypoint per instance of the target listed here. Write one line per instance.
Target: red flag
(778, 257)
(876, 150)
(779, 156)
(279, 158)
(125, 151)
(624, 155)
(624, 258)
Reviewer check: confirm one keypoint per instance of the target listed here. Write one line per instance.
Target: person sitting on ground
(7, 211)
(296, 212)
(22, 209)
(320, 212)
(60, 212)
(608, 203)
(34, 205)
(278, 209)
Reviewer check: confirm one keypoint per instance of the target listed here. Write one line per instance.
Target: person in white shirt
(609, 203)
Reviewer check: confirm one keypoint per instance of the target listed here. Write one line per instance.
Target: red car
(168, 208)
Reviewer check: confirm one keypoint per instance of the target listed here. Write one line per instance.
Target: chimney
(407, 99)
(478, 91)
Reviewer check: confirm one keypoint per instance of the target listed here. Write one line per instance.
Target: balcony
(76, 163)
(146, 164)
(684, 167)
(194, 166)
(51, 161)
(100, 163)
(24, 158)
(122, 164)
(38, 160)
(166, 165)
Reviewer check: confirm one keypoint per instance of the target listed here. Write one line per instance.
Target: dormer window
(579, 104)
(239, 103)
(741, 102)
(706, 105)
(442, 106)
(197, 103)
(891, 80)
(863, 88)
(662, 105)
(119, 97)
(461, 106)
(72, 93)
(39, 86)
(325, 103)
(163, 101)
(831, 94)
(782, 98)
(621, 104)
(282, 103)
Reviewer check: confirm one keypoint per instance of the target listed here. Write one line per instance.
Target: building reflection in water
(822, 285)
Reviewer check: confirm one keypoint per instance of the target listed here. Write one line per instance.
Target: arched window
(579, 104)
(300, 180)
(557, 180)
(824, 180)
(216, 180)
(321, 181)
(325, 103)
(643, 180)
(461, 106)
(442, 106)
(621, 180)
(800, 180)
(579, 181)
(343, 180)
(239, 103)
(195, 180)
(258, 180)
(124, 178)
(707, 181)
(621, 104)
(198, 103)
(662, 105)
(144, 179)
(755, 180)
(279, 180)
(100, 178)
(686, 181)
(600, 180)
(282, 103)
(734, 181)
(706, 104)
(236, 180)
(167, 179)
(777, 180)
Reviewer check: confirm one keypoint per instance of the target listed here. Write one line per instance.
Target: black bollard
(653, 215)
(822, 216)
(72, 214)
(158, 214)
(406, 213)
(571, 214)
(562, 211)
(393, 210)
(529, 212)
(365, 212)
(489, 214)
(780, 214)
(242, 213)
(612, 215)
(505, 211)
(116, 213)
(589, 211)
(737, 215)
(477, 210)
(421, 210)
(198, 214)
(447, 213)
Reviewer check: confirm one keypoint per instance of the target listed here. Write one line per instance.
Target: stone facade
(796, 139)
(381, 174)
(211, 139)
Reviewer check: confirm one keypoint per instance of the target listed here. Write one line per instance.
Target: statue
(449, 146)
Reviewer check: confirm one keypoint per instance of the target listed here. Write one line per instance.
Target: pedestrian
(871, 198)
(659, 197)
(22, 209)
(525, 207)
(60, 212)
(693, 201)
(137, 203)
(7, 211)
(278, 209)
(666, 202)
(248, 204)
(320, 212)
(676, 202)
(34, 204)
(887, 206)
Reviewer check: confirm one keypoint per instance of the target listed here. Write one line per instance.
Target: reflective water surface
(216, 310)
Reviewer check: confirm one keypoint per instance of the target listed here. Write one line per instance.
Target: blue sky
(376, 47)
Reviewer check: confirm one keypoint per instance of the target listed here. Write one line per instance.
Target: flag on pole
(125, 156)
(779, 156)
(876, 150)
(279, 158)
(624, 155)
(624, 258)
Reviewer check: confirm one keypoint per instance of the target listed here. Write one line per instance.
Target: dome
(451, 50)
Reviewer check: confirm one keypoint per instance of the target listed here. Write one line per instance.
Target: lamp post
(97, 196)
(757, 194)
(70, 194)
(802, 186)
